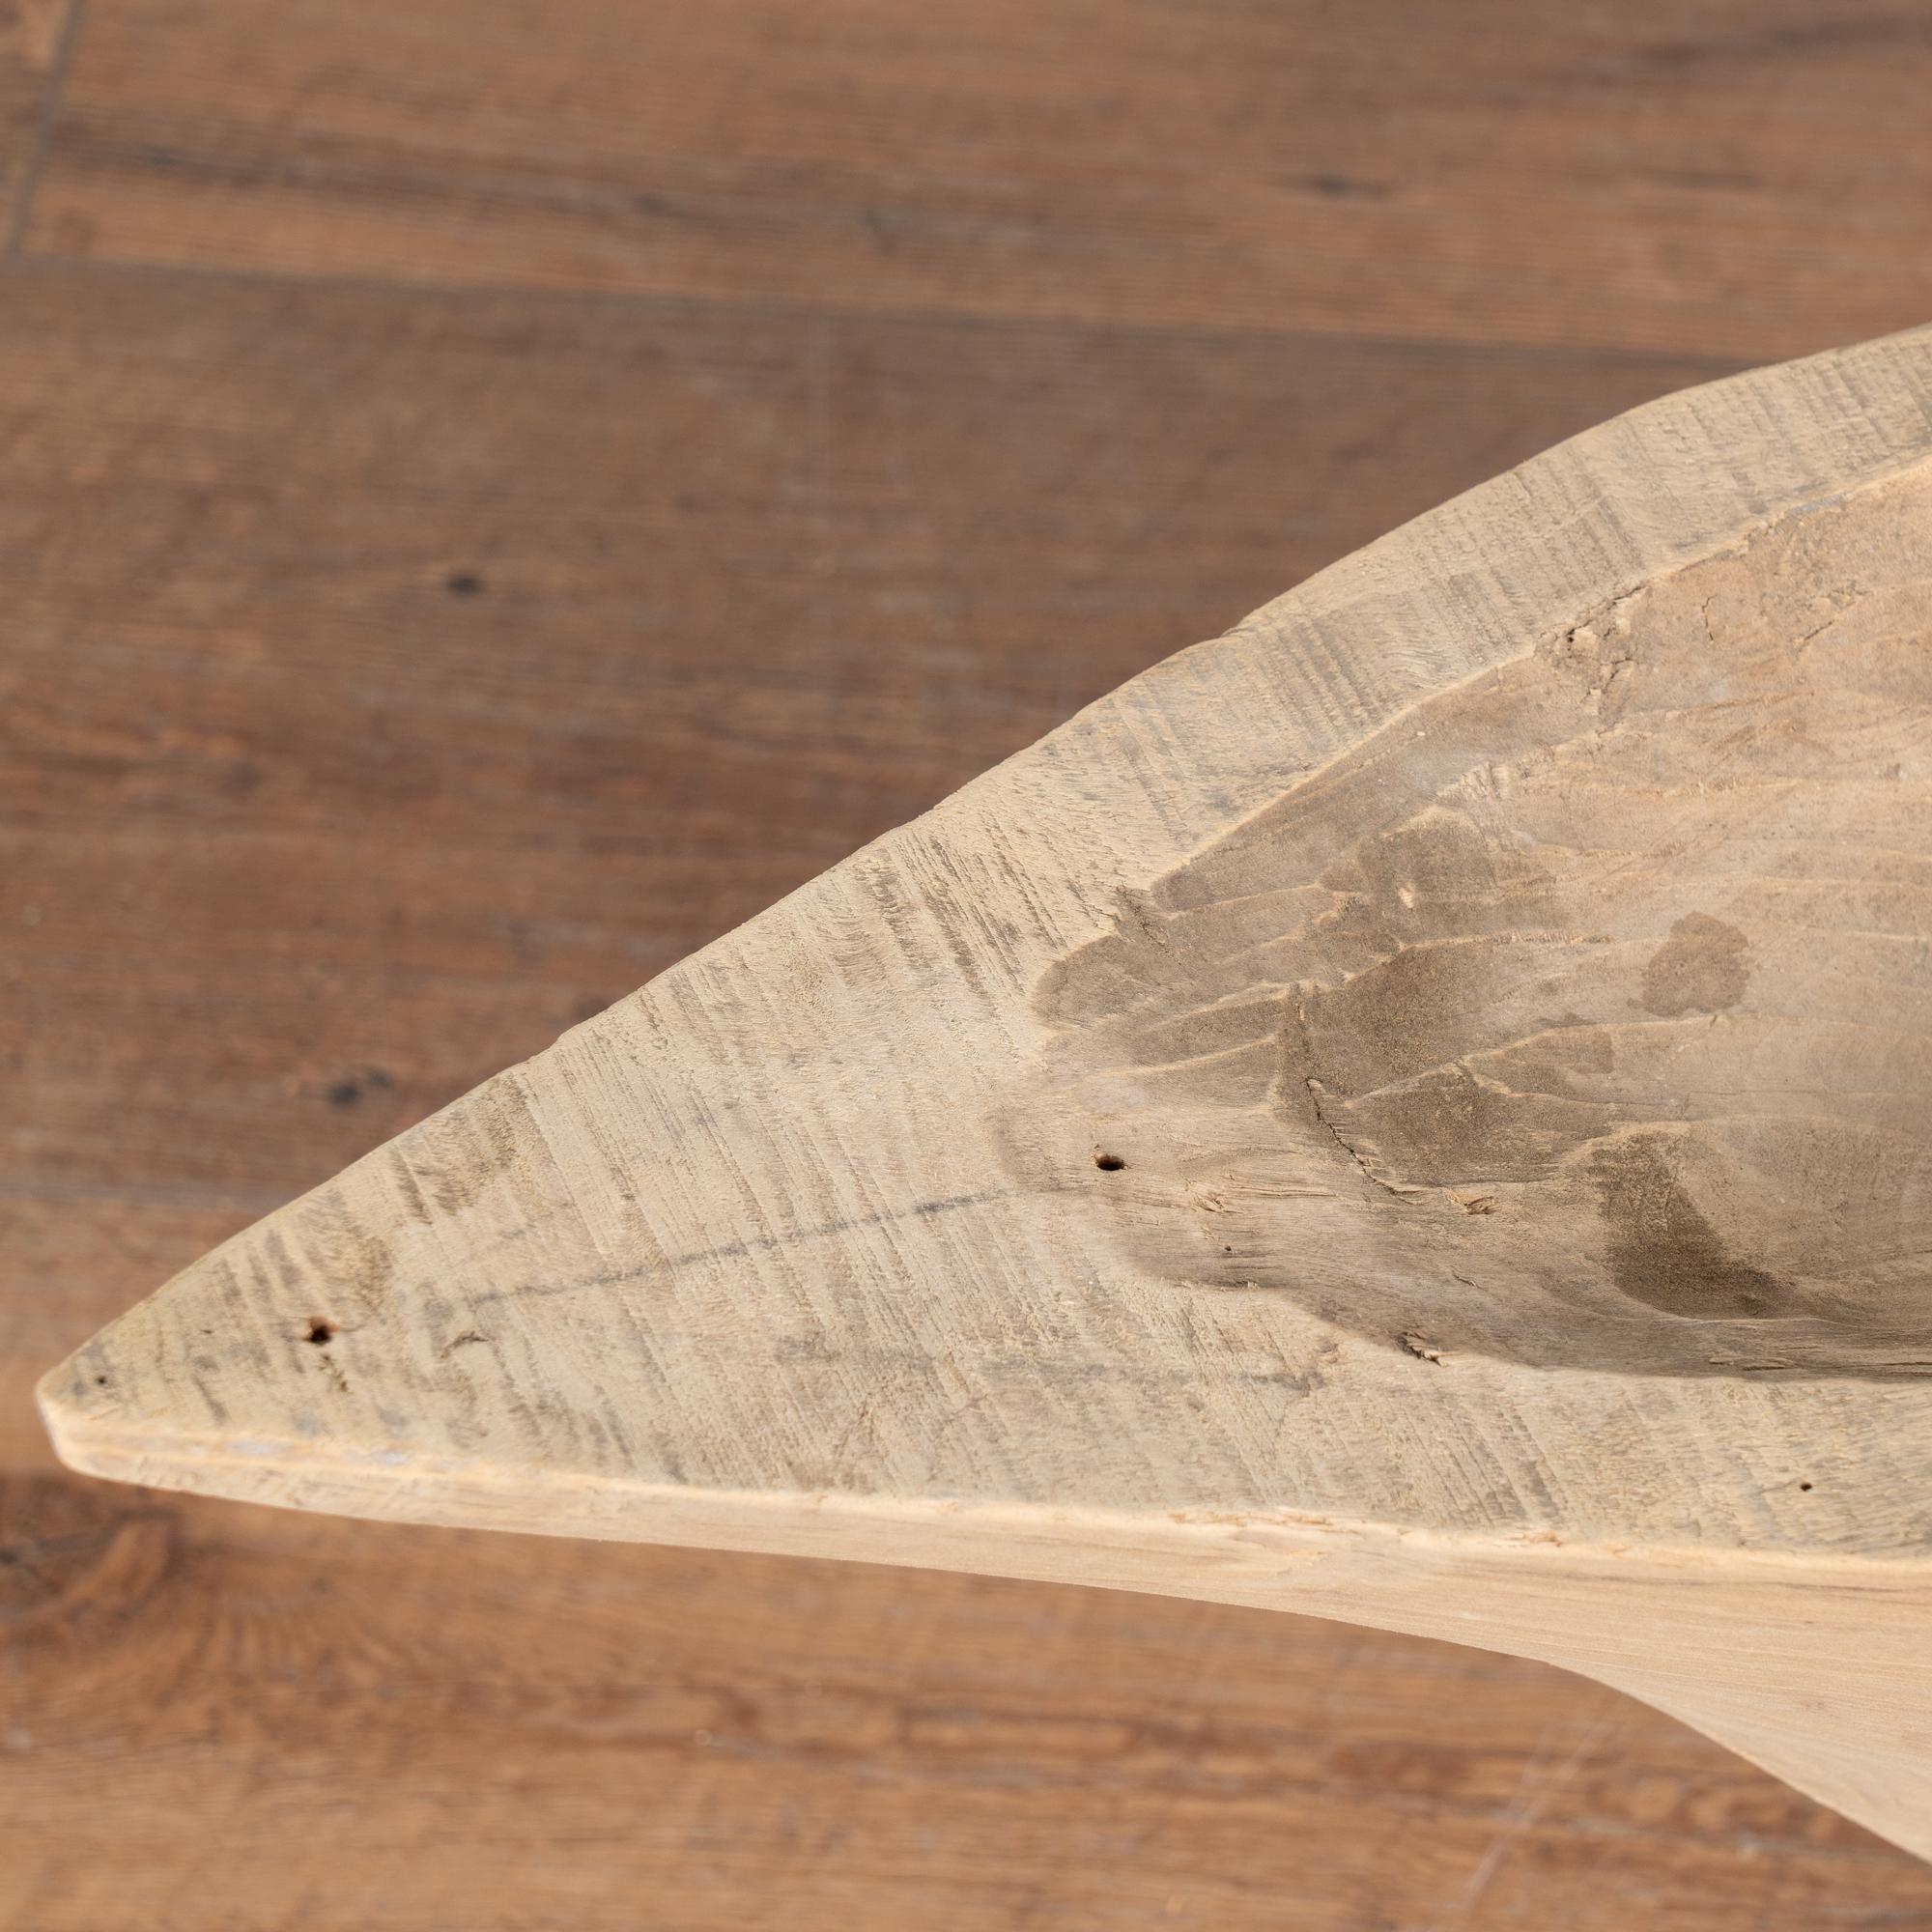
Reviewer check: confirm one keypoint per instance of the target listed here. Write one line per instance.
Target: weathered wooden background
(492, 494)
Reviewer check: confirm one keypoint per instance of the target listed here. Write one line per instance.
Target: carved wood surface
(1443, 1061)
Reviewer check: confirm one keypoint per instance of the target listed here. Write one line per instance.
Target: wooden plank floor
(494, 496)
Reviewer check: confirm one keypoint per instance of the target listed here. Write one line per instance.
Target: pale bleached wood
(1414, 1111)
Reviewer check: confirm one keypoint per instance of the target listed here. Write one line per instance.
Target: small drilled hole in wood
(1109, 1164)
(319, 1332)
(1803, 1486)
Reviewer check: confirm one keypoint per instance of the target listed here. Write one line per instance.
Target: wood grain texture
(453, 665)
(347, 1726)
(216, 1717)
(1476, 956)
(234, 954)
(815, 1160)
(238, 665)
(34, 42)
(1736, 178)
(799, 1248)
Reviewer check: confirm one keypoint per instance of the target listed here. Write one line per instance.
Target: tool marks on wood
(1582, 1015)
